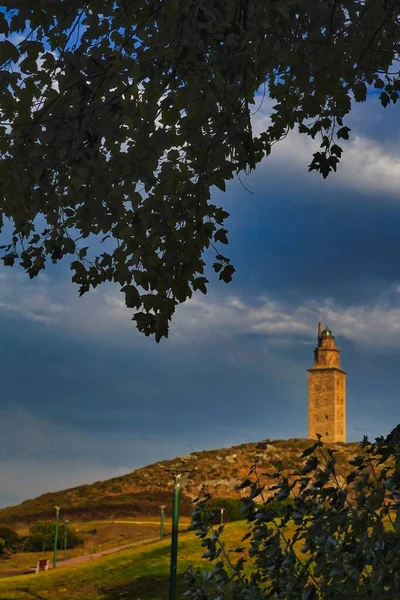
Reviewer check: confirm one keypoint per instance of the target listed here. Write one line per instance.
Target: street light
(66, 523)
(222, 515)
(56, 537)
(174, 535)
(162, 521)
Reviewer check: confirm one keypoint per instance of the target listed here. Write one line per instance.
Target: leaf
(360, 91)
(217, 267)
(200, 284)
(8, 52)
(310, 465)
(337, 150)
(83, 252)
(343, 133)
(220, 236)
(310, 450)
(132, 296)
(226, 273)
(385, 99)
(68, 245)
(161, 328)
(379, 84)
(9, 259)
(3, 24)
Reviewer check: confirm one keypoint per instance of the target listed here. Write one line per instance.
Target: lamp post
(56, 537)
(222, 515)
(174, 538)
(66, 523)
(174, 535)
(162, 521)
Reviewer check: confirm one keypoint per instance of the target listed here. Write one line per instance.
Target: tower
(327, 391)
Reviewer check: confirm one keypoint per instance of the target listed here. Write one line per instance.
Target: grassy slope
(142, 491)
(109, 535)
(139, 573)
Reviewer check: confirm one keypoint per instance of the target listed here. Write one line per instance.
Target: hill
(141, 572)
(144, 490)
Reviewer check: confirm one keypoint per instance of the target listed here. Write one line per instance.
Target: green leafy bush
(41, 537)
(232, 509)
(335, 540)
(10, 540)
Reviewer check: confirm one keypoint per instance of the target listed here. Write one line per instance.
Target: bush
(41, 537)
(232, 509)
(10, 540)
(346, 542)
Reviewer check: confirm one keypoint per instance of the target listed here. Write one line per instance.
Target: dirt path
(77, 560)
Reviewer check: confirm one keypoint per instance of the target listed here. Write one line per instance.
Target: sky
(85, 397)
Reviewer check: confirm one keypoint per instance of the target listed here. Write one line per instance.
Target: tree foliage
(41, 537)
(119, 117)
(10, 541)
(335, 540)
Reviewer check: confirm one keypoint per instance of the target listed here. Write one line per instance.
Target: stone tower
(327, 391)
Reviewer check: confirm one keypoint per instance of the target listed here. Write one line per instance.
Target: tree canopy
(118, 117)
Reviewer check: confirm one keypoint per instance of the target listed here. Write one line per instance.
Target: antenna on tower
(319, 329)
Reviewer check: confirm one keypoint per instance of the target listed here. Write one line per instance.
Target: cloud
(102, 314)
(366, 165)
(375, 326)
(54, 303)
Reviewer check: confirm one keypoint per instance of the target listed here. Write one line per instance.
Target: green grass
(140, 573)
(110, 534)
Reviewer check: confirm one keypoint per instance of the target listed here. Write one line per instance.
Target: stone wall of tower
(327, 404)
(327, 391)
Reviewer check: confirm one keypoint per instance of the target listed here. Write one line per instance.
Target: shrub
(346, 542)
(232, 509)
(41, 537)
(11, 541)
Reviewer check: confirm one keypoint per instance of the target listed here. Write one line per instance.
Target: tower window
(327, 433)
(326, 416)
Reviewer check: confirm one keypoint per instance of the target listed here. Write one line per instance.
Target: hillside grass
(140, 573)
(110, 534)
(141, 492)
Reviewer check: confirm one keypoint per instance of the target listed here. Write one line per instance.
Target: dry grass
(140, 493)
(109, 535)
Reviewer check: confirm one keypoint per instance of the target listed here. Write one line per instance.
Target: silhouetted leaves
(333, 540)
(117, 123)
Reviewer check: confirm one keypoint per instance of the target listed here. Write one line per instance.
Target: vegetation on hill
(141, 492)
(345, 541)
(337, 538)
